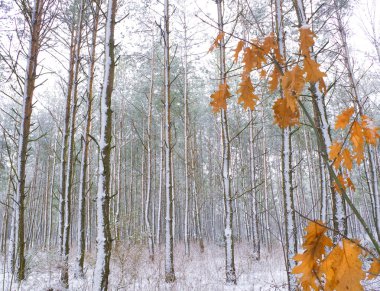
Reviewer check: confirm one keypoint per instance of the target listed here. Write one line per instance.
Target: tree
(169, 255)
(81, 240)
(286, 169)
(358, 105)
(70, 150)
(37, 14)
(149, 159)
(103, 237)
(226, 149)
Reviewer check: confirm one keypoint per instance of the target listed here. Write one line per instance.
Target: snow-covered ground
(132, 270)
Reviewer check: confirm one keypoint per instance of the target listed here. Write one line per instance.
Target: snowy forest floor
(132, 270)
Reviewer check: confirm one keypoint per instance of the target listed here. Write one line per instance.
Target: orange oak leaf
(269, 43)
(246, 93)
(248, 60)
(315, 243)
(335, 149)
(370, 130)
(259, 55)
(344, 182)
(237, 50)
(311, 68)
(322, 86)
(350, 184)
(263, 74)
(343, 119)
(306, 40)
(341, 186)
(342, 268)
(347, 159)
(253, 57)
(334, 153)
(293, 84)
(216, 42)
(374, 270)
(274, 81)
(291, 103)
(283, 116)
(357, 138)
(220, 98)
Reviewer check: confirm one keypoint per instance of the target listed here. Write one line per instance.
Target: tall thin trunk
(160, 186)
(4, 228)
(286, 170)
(81, 240)
(17, 244)
(169, 255)
(226, 175)
(65, 142)
(118, 186)
(255, 217)
(186, 120)
(103, 237)
(196, 211)
(70, 152)
(266, 188)
(149, 160)
(50, 231)
(47, 198)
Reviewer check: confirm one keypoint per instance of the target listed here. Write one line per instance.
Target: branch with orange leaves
(339, 183)
(325, 266)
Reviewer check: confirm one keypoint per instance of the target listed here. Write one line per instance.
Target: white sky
(128, 33)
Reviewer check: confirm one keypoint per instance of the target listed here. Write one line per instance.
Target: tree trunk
(255, 217)
(226, 175)
(81, 239)
(169, 255)
(186, 137)
(103, 237)
(161, 179)
(287, 171)
(149, 160)
(70, 152)
(17, 244)
(64, 151)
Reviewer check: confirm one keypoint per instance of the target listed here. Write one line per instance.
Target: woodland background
(111, 153)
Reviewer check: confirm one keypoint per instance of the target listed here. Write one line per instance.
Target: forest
(189, 145)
